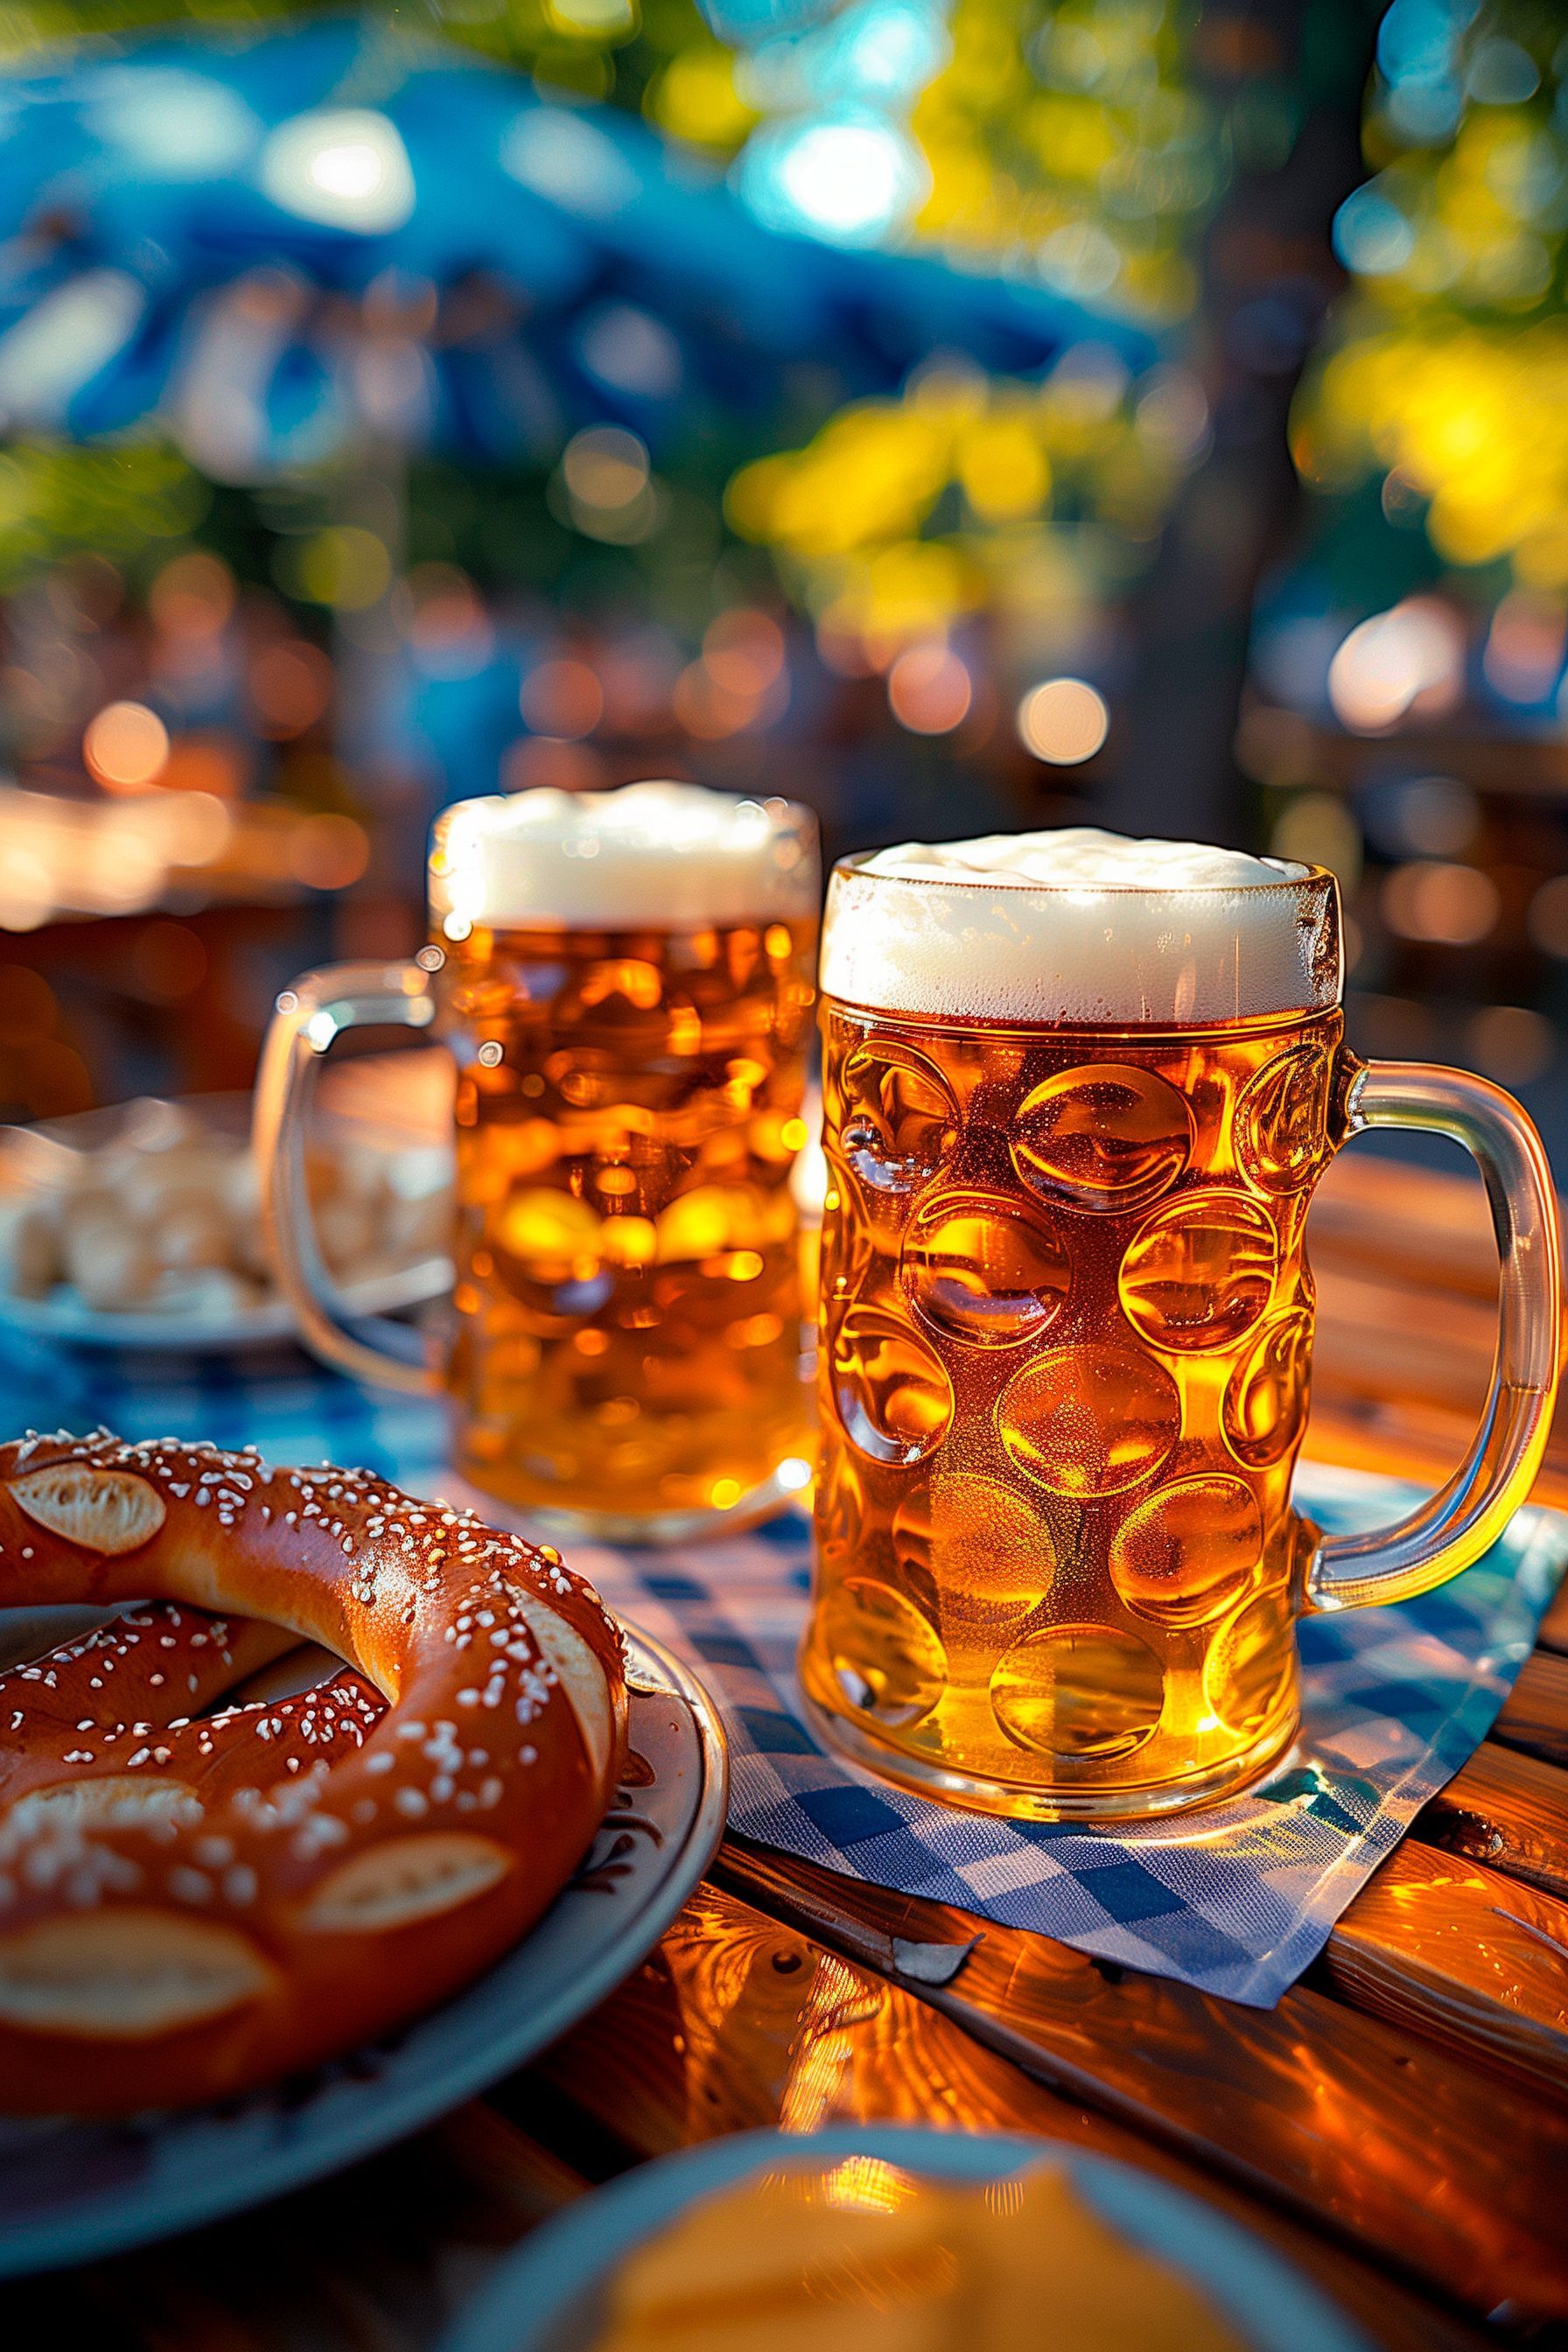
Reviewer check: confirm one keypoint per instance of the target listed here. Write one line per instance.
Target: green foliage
(125, 501)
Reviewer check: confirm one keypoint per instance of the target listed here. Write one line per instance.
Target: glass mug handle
(1454, 1526)
(307, 1020)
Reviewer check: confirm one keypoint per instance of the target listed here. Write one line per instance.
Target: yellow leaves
(696, 98)
(1475, 417)
(903, 516)
(1068, 120)
(967, 197)
(909, 592)
(1004, 469)
(1074, 137)
(874, 472)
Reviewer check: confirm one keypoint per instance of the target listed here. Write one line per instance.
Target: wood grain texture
(741, 2022)
(1344, 2119)
(1535, 1713)
(1472, 1960)
(1507, 1810)
(379, 2259)
(1552, 1638)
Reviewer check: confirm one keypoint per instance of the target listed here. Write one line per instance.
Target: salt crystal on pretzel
(288, 1892)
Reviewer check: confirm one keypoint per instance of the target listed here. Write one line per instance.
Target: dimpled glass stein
(1077, 1094)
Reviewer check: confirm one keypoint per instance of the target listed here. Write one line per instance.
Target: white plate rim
(69, 1324)
(530, 2294)
(389, 2112)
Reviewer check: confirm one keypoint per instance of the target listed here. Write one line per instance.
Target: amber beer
(627, 985)
(1072, 1132)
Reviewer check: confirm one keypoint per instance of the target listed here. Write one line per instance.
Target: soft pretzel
(153, 1676)
(190, 1907)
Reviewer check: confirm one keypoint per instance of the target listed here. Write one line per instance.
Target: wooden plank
(380, 2258)
(1553, 1633)
(740, 2023)
(1507, 1810)
(1535, 1711)
(1348, 2121)
(1473, 1960)
(1413, 1225)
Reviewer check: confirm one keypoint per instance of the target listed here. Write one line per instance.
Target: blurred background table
(1398, 2126)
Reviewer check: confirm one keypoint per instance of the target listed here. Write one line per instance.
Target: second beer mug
(1078, 1093)
(625, 981)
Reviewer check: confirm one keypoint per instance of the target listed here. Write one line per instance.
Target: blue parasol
(276, 239)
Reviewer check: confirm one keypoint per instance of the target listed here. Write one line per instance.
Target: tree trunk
(1267, 275)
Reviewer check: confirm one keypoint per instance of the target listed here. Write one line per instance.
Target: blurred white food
(165, 1217)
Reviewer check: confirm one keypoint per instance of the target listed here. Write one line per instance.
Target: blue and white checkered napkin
(1237, 1900)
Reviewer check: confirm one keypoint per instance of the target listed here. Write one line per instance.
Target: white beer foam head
(1080, 925)
(651, 856)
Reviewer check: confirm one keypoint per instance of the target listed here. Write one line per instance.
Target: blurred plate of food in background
(894, 2235)
(140, 1225)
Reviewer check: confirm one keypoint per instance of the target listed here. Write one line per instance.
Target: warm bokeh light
(744, 651)
(1317, 829)
(327, 851)
(610, 493)
(1436, 902)
(1510, 1044)
(1063, 720)
(344, 566)
(1526, 647)
(547, 761)
(708, 710)
(1408, 660)
(1548, 917)
(563, 698)
(695, 99)
(211, 767)
(168, 962)
(194, 596)
(605, 465)
(290, 685)
(125, 747)
(930, 690)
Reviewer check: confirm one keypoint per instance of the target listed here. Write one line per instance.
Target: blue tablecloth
(1238, 1899)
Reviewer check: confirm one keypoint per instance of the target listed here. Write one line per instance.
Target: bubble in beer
(899, 1118)
(1251, 1664)
(1110, 1137)
(1266, 1401)
(1282, 1119)
(890, 1391)
(886, 1658)
(1078, 1690)
(1091, 1420)
(1200, 1271)
(1182, 1556)
(978, 1271)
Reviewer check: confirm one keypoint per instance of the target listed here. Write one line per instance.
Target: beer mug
(625, 981)
(1078, 1093)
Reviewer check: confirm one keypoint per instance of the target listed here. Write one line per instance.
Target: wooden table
(1398, 2126)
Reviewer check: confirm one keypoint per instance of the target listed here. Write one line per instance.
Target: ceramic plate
(69, 2190)
(63, 1317)
(545, 2297)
